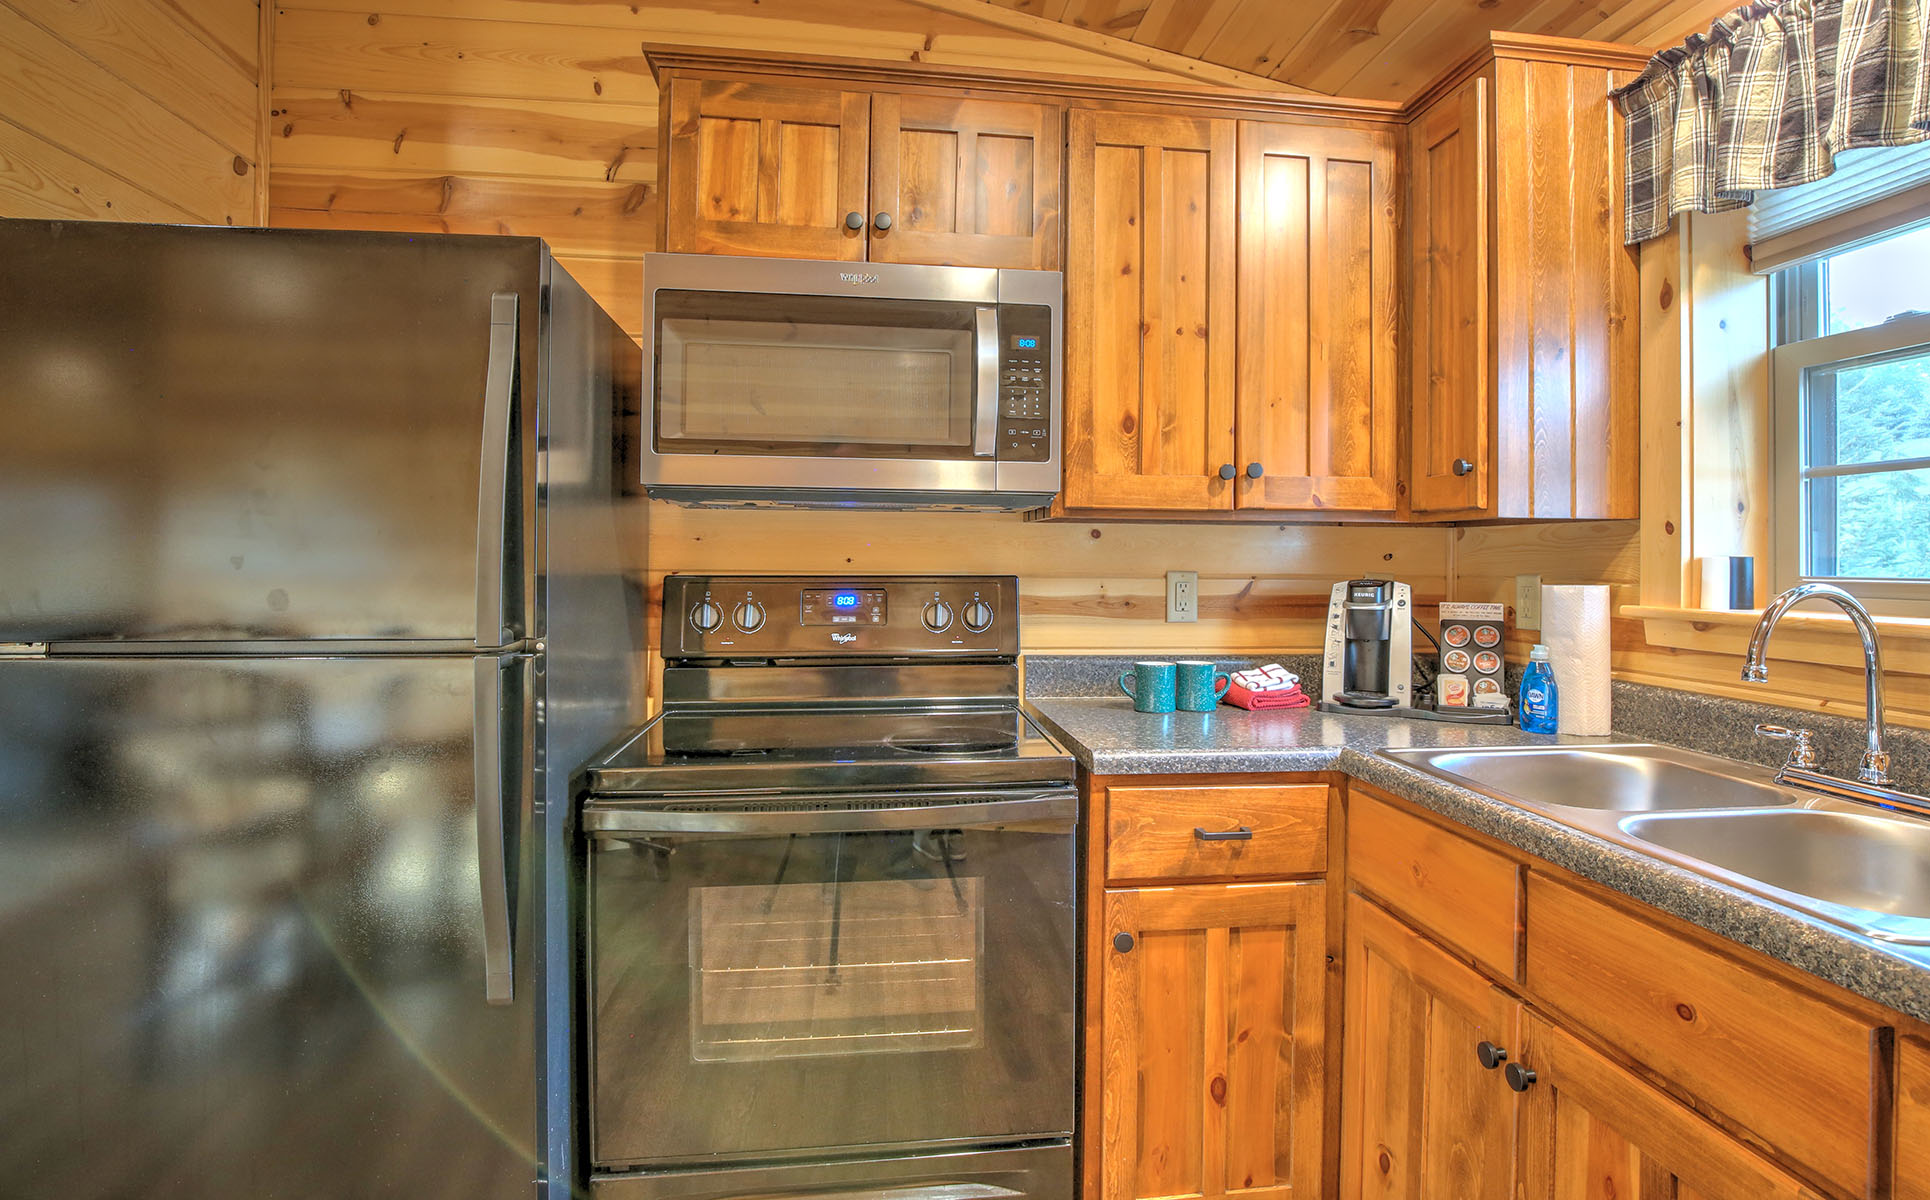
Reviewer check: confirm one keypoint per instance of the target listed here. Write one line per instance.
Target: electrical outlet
(1182, 595)
(1527, 602)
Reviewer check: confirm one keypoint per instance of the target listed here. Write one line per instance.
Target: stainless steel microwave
(830, 384)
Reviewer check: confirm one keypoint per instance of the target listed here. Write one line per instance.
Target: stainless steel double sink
(1864, 868)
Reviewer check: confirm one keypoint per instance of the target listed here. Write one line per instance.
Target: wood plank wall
(532, 117)
(1084, 588)
(148, 111)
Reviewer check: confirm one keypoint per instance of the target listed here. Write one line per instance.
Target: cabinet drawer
(1791, 1070)
(1458, 891)
(1167, 832)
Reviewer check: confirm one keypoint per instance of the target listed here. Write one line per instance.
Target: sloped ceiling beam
(1048, 30)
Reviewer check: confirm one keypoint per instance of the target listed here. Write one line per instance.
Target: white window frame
(1798, 305)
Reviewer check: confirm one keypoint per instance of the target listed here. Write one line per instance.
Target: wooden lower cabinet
(1213, 1032)
(1592, 1131)
(1421, 1117)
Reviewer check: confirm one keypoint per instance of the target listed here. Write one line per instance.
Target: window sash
(1790, 366)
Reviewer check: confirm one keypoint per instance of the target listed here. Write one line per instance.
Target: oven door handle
(1055, 810)
(985, 434)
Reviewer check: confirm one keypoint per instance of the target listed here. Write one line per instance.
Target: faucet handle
(1802, 751)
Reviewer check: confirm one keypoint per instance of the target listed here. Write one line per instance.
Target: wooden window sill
(1808, 637)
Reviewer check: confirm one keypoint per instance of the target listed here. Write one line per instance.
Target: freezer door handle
(493, 490)
(491, 856)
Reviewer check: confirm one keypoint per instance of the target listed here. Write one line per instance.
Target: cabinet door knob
(1122, 942)
(1462, 466)
(881, 222)
(1519, 1077)
(1254, 471)
(1491, 1055)
(1227, 471)
(854, 220)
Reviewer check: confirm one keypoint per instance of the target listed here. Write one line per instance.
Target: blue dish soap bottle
(1540, 703)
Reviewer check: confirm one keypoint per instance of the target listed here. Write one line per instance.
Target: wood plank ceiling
(1373, 49)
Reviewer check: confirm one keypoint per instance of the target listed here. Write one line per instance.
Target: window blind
(1875, 191)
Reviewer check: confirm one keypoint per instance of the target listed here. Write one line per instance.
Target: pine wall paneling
(130, 111)
(530, 117)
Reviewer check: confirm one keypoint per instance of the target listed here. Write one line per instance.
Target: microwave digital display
(1025, 341)
(843, 606)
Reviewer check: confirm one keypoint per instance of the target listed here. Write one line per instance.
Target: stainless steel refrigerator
(313, 595)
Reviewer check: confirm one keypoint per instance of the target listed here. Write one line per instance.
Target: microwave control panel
(1025, 383)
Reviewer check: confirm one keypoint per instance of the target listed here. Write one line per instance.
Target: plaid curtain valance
(1767, 99)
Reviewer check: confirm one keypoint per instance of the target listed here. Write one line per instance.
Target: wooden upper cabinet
(1150, 295)
(1213, 1025)
(1317, 392)
(966, 181)
(1449, 433)
(1592, 1130)
(1524, 339)
(1421, 1117)
(765, 169)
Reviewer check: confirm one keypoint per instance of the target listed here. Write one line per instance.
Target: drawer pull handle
(1491, 1055)
(1122, 942)
(1519, 1077)
(1242, 834)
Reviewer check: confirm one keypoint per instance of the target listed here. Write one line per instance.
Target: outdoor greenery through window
(1852, 403)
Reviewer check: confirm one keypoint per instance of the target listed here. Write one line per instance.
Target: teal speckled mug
(1198, 687)
(1151, 687)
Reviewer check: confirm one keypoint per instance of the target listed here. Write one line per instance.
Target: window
(1852, 422)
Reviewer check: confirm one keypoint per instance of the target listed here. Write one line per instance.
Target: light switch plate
(1182, 595)
(1527, 602)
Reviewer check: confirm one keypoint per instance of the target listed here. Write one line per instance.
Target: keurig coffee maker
(1368, 666)
(1369, 662)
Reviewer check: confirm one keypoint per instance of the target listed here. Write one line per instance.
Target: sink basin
(1626, 778)
(1870, 871)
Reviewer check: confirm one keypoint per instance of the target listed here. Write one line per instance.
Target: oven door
(772, 977)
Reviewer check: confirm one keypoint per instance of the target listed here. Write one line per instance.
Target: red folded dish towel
(1287, 697)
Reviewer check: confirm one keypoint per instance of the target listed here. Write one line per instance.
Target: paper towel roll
(1574, 626)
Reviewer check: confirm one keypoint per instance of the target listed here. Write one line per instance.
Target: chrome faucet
(1872, 782)
(1875, 767)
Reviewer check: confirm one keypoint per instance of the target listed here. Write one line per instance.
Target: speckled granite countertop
(1109, 738)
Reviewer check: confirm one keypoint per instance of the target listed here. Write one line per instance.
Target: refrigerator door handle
(491, 811)
(493, 491)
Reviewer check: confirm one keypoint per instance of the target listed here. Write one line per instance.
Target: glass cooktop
(832, 747)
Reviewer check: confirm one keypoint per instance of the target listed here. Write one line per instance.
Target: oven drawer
(1159, 833)
(1025, 1173)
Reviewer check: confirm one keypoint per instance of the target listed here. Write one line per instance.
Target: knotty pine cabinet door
(1592, 1131)
(1421, 1117)
(1213, 1024)
(766, 169)
(966, 182)
(1450, 442)
(1317, 394)
(1150, 294)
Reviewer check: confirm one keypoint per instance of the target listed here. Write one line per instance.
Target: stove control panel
(837, 617)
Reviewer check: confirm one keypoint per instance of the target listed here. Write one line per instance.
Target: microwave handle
(986, 429)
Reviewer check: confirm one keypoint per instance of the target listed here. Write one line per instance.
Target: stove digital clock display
(842, 606)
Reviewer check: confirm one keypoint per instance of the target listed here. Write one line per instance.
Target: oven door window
(760, 994)
(813, 375)
(789, 969)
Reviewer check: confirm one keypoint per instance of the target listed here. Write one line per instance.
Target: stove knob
(706, 617)
(978, 616)
(748, 616)
(938, 616)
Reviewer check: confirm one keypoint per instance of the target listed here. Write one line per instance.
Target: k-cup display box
(1471, 660)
